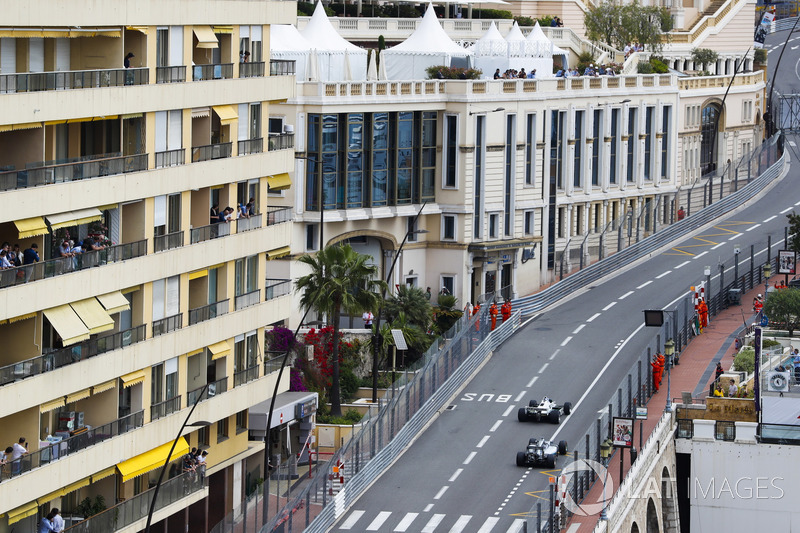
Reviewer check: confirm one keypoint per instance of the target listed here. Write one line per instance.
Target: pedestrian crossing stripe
(430, 524)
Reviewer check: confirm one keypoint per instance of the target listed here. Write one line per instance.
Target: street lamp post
(669, 350)
(605, 452)
(767, 275)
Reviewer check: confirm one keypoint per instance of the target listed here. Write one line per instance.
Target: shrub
(659, 67)
(492, 14)
(526, 21)
(760, 56)
(443, 72)
(704, 56)
(745, 361)
(349, 418)
(644, 67)
(348, 382)
(766, 343)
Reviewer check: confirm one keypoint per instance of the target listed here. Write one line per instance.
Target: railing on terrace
(167, 407)
(245, 376)
(170, 158)
(282, 67)
(168, 241)
(276, 288)
(252, 70)
(174, 74)
(70, 355)
(64, 265)
(725, 430)
(221, 71)
(165, 325)
(72, 79)
(250, 146)
(685, 428)
(136, 508)
(214, 388)
(272, 364)
(211, 151)
(250, 223)
(281, 141)
(65, 447)
(94, 166)
(779, 434)
(207, 312)
(278, 215)
(212, 231)
(248, 299)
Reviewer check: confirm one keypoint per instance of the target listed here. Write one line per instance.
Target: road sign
(399, 340)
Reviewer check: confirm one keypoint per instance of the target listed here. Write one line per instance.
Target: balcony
(207, 312)
(65, 447)
(212, 231)
(248, 299)
(170, 158)
(282, 67)
(251, 146)
(165, 325)
(94, 166)
(278, 215)
(171, 74)
(276, 288)
(168, 241)
(222, 71)
(211, 151)
(167, 407)
(273, 364)
(217, 387)
(252, 70)
(64, 265)
(245, 376)
(281, 141)
(247, 224)
(72, 354)
(72, 79)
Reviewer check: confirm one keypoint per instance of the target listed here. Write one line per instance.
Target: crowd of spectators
(591, 70)
(631, 48)
(514, 74)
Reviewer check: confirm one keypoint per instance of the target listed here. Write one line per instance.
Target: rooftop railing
(211, 151)
(92, 167)
(72, 79)
(221, 71)
(282, 67)
(167, 407)
(252, 70)
(165, 325)
(174, 74)
(207, 312)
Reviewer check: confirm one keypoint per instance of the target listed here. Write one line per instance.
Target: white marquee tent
(490, 52)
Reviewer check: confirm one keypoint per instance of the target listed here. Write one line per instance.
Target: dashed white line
(786, 210)
(469, 458)
(700, 255)
(520, 396)
(483, 441)
(565, 341)
(555, 354)
(352, 519)
(543, 367)
(798, 203)
(717, 246)
(682, 265)
(752, 227)
(430, 527)
(664, 274)
(508, 410)
(428, 508)
(532, 381)
(734, 237)
(577, 330)
(645, 284)
(591, 318)
(376, 524)
(770, 218)
(441, 492)
(609, 306)
(455, 476)
(497, 424)
(406, 522)
(625, 295)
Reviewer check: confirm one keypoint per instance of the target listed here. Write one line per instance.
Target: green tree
(617, 25)
(704, 56)
(446, 313)
(794, 231)
(411, 301)
(341, 279)
(602, 23)
(783, 306)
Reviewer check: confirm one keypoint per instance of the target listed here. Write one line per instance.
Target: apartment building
(124, 126)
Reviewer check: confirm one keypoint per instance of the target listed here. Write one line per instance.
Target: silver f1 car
(541, 452)
(547, 410)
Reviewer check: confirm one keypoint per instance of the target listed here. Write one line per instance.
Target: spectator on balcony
(241, 211)
(226, 214)
(251, 207)
(201, 463)
(58, 521)
(17, 452)
(127, 61)
(90, 244)
(532, 75)
(46, 525)
(15, 256)
(4, 262)
(497, 74)
(31, 255)
(244, 58)
(215, 213)
(65, 250)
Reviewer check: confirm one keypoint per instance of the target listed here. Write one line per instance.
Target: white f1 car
(547, 410)
(541, 452)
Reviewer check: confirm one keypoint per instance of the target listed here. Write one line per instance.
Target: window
(508, 185)
(169, 133)
(577, 180)
(311, 237)
(246, 275)
(275, 125)
(203, 435)
(162, 47)
(222, 430)
(412, 281)
(164, 381)
(245, 190)
(411, 228)
(404, 162)
(493, 221)
(528, 223)
(167, 217)
(631, 143)
(561, 220)
(665, 148)
(477, 199)
(448, 227)
(649, 138)
(530, 149)
(354, 185)
(612, 170)
(449, 283)
(166, 297)
(380, 159)
(557, 148)
(241, 421)
(427, 164)
(450, 155)
(597, 143)
(245, 351)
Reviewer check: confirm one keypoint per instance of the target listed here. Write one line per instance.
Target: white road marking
(441, 492)
(734, 237)
(508, 411)
(664, 274)
(555, 354)
(591, 318)
(428, 508)
(496, 425)
(752, 227)
(795, 47)
(461, 523)
(352, 519)
(469, 458)
(406, 521)
(516, 527)
(786, 210)
(577, 330)
(770, 218)
(483, 441)
(565, 341)
(625, 295)
(717, 246)
(531, 382)
(574, 528)
(432, 523)
(544, 366)
(455, 475)
(609, 306)
(379, 520)
(682, 265)
(798, 203)
(488, 525)
(645, 284)
(520, 395)
(700, 255)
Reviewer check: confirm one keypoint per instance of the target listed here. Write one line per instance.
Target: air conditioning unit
(288, 128)
(778, 381)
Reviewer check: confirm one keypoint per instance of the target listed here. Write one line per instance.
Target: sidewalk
(694, 374)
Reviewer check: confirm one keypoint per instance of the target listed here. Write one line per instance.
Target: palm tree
(412, 302)
(340, 280)
(445, 314)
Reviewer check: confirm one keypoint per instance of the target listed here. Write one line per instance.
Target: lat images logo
(576, 467)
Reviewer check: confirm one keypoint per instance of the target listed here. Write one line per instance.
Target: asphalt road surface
(460, 474)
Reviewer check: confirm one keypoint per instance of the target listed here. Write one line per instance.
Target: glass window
(578, 170)
(477, 209)
(632, 130)
(612, 170)
(530, 149)
(449, 284)
(665, 116)
(355, 160)
(451, 151)
(528, 223)
(157, 384)
(648, 140)
(222, 430)
(428, 155)
(493, 220)
(405, 157)
(380, 159)
(597, 143)
(508, 185)
(241, 421)
(448, 227)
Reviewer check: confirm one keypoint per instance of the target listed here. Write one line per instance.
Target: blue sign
(764, 320)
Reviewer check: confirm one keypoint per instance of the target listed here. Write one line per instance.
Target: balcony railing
(725, 430)
(171, 74)
(76, 443)
(72, 354)
(685, 428)
(72, 79)
(248, 299)
(251, 146)
(281, 141)
(212, 231)
(273, 364)
(65, 265)
(252, 70)
(211, 151)
(222, 71)
(207, 312)
(170, 158)
(215, 388)
(278, 215)
(245, 376)
(277, 287)
(168, 241)
(165, 325)
(247, 224)
(167, 407)
(136, 508)
(281, 67)
(97, 166)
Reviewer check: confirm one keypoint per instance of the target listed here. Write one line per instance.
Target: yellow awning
(78, 396)
(74, 218)
(279, 182)
(144, 463)
(104, 474)
(279, 252)
(75, 486)
(131, 289)
(107, 207)
(52, 405)
(93, 315)
(128, 116)
(227, 114)
(24, 126)
(134, 378)
(26, 316)
(223, 29)
(198, 274)
(55, 122)
(142, 29)
(195, 352)
(219, 350)
(205, 37)
(201, 112)
(114, 302)
(108, 385)
(31, 227)
(67, 323)
(50, 497)
(24, 511)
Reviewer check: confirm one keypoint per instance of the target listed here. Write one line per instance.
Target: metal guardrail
(211, 151)
(167, 407)
(72, 79)
(170, 158)
(245, 376)
(250, 146)
(278, 215)
(280, 141)
(250, 223)
(88, 167)
(222, 71)
(165, 325)
(212, 231)
(168, 241)
(783, 25)
(174, 74)
(207, 312)
(248, 300)
(217, 387)
(282, 67)
(252, 70)
(275, 288)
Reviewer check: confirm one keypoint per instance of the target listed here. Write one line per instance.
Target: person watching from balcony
(251, 207)
(732, 389)
(58, 521)
(127, 61)
(241, 211)
(90, 244)
(215, 213)
(15, 256)
(46, 525)
(226, 215)
(31, 255)
(4, 262)
(17, 452)
(64, 250)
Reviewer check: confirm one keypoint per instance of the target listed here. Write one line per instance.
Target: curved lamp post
(669, 350)
(605, 452)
